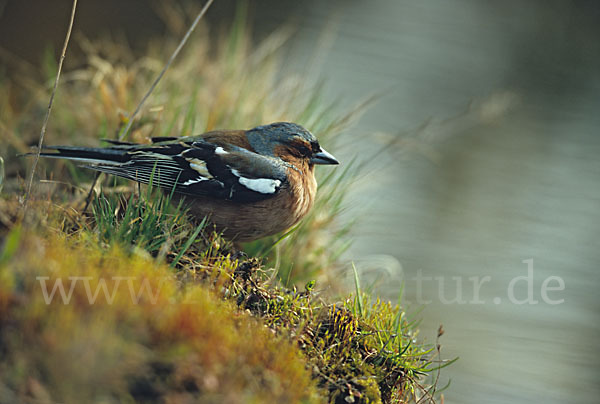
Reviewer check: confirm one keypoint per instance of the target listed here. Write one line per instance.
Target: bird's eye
(305, 151)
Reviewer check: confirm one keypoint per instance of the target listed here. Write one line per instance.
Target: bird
(249, 183)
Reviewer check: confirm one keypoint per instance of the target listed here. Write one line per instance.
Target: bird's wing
(193, 166)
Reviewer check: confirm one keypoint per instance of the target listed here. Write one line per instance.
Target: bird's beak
(323, 157)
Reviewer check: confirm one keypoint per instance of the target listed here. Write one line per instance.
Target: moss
(161, 344)
(215, 323)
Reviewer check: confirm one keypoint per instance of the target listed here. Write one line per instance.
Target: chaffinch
(249, 183)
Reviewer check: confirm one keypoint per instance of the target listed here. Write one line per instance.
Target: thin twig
(439, 355)
(88, 198)
(173, 56)
(43, 131)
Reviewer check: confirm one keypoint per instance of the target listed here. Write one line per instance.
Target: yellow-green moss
(173, 345)
(214, 327)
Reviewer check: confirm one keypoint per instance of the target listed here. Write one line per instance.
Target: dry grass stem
(43, 131)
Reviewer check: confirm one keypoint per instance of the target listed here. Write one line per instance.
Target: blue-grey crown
(264, 138)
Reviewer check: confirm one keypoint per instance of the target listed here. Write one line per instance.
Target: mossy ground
(213, 324)
(162, 343)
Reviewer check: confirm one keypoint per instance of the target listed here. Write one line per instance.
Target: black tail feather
(118, 142)
(95, 154)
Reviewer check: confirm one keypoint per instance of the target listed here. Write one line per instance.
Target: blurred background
(483, 149)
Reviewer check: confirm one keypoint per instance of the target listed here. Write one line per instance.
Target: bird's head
(290, 142)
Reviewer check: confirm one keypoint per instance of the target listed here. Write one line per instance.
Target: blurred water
(513, 178)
